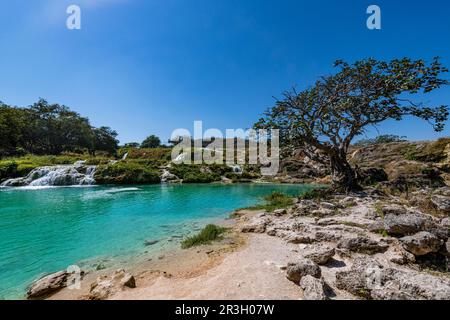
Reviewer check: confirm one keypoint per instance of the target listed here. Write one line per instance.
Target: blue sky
(151, 66)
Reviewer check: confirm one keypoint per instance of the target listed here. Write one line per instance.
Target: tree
(45, 128)
(151, 142)
(324, 119)
(104, 140)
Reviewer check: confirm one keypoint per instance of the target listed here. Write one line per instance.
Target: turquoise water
(43, 231)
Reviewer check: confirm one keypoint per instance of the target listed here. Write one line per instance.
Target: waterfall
(61, 175)
(125, 156)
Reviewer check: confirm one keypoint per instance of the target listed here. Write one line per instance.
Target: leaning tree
(324, 119)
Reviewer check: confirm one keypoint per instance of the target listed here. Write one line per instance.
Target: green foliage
(388, 138)
(315, 194)
(45, 128)
(197, 173)
(276, 200)
(151, 142)
(126, 173)
(207, 235)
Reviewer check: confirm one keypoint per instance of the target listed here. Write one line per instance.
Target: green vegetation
(316, 194)
(387, 138)
(274, 201)
(431, 152)
(199, 173)
(45, 128)
(210, 233)
(151, 142)
(124, 172)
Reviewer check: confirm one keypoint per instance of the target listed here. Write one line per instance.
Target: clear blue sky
(151, 66)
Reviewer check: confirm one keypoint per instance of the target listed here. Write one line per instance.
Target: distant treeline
(44, 128)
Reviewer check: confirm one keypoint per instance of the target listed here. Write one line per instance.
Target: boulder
(105, 286)
(362, 244)
(280, 212)
(328, 205)
(421, 243)
(406, 224)
(321, 254)
(442, 203)
(48, 285)
(359, 279)
(323, 212)
(394, 209)
(295, 271)
(313, 288)
(299, 238)
(445, 223)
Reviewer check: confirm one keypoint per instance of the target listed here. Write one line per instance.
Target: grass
(276, 200)
(315, 194)
(210, 233)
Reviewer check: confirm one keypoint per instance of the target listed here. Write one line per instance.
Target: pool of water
(46, 230)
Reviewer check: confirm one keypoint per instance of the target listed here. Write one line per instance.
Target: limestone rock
(394, 209)
(421, 243)
(406, 224)
(295, 271)
(105, 286)
(362, 245)
(442, 203)
(48, 285)
(280, 212)
(321, 254)
(313, 288)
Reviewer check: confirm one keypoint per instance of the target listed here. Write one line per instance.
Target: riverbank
(360, 246)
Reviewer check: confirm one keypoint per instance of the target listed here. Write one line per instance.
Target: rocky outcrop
(296, 270)
(321, 254)
(442, 203)
(406, 224)
(362, 245)
(366, 245)
(422, 243)
(105, 286)
(313, 288)
(50, 284)
(369, 279)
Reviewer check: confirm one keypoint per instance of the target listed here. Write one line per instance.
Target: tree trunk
(344, 177)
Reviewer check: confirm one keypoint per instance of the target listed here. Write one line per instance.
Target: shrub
(276, 200)
(210, 233)
(315, 194)
(126, 173)
(8, 169)
(196, 173)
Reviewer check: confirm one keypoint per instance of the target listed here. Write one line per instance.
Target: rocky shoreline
(370, 245)
(365, 245)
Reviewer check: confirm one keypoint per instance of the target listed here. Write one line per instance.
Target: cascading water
(62, 175)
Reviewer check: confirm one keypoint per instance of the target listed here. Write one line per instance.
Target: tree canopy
(45, 128)
(324, 119)
(151, 142)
